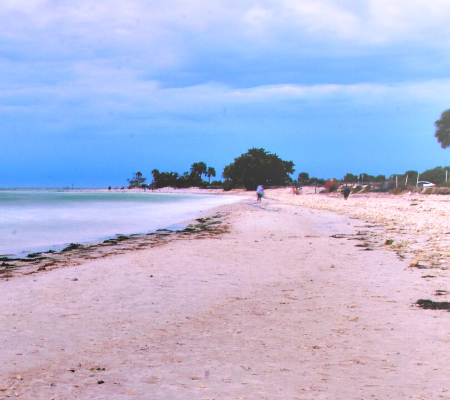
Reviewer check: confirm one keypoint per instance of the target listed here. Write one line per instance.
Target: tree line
(436, 175)
(173, 179)
(256, 167)
(260, 167)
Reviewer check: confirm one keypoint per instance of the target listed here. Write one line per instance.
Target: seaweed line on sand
(75, 253)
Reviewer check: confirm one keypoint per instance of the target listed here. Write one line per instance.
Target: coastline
(280, 304)
(89, 217)
(211, 222)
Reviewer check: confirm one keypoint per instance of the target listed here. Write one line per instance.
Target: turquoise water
(36, 220)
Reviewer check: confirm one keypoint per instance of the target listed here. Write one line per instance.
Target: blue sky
(94, 91)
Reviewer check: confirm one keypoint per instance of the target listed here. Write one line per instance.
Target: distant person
(259, 192)
(346, 192)
(294, 190)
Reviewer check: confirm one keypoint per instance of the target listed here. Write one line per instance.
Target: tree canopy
(303, 177)
(258, 167)
(187, 179)
(136, 181)
(211, 172)
(350, 178)
(435, 175)
(443, 129)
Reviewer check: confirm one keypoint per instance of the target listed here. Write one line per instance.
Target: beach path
(284, 306)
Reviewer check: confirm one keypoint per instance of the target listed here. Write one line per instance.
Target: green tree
(136, 181)
(443, 129)
(164, 179)
(435, 175)
(366, 178)
(412, 178)
(350, 178)
(211, 172)
(303, 177)
(258, 167)
(198, 169)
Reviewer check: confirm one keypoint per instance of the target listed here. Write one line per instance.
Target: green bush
(228, 185)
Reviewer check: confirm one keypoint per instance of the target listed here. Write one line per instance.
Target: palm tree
(211, 172)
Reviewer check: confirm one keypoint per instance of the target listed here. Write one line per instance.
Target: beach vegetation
(350, 178)
(164, 179)
(436, 175)
(210, 172)
(136, 181)
(72, 246)
(303, 177)
(398, 190)
(380, 178)
(433, 305)
(259, 167)
(198, 169)
(228, 185)
(316, 181)
(442, 133)
(188, 179)
(367, 178)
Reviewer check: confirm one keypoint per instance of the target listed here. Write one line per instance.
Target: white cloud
(96, 88)
(105, 55)
(174, 29)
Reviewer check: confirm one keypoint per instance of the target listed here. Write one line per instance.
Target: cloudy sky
(92, 91)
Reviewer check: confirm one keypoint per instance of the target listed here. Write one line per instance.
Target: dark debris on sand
(433, 305)
(75, 253)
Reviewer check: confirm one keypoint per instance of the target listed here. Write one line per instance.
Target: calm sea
(36, 220)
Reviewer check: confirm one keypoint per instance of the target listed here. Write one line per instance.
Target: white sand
(275, 309)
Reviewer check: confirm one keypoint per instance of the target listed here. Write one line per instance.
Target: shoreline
(18, 250)
(77, 253)
(281, 304)
(400, 229)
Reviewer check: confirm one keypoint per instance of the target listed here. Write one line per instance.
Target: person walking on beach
(346, 192)
(259, 192)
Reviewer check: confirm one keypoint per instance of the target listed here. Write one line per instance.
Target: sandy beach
(299, 297)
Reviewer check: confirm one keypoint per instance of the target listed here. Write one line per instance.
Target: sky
(92, 91)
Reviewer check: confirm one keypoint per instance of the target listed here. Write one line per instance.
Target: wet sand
(282, 304)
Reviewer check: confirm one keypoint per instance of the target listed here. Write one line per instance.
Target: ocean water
(36, 220)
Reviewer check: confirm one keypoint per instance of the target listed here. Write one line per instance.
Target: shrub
(356, 189)
(334, 186)
(397, 190)
(228, 185)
